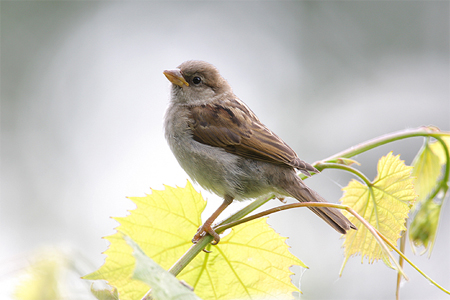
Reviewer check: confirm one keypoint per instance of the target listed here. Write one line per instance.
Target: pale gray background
(83, 98)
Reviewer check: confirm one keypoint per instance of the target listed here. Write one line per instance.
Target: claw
(206, 229)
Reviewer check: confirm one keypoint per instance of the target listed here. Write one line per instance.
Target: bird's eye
(196, 80)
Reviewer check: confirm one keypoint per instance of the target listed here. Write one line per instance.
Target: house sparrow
(224, 147)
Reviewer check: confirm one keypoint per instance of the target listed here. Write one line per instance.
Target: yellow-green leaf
(423, 229)
(252, 258)
(438, 149)
(426, 171)
(104, 294)
(385, 205)
(164, 285)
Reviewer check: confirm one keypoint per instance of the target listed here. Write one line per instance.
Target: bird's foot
(206, 229)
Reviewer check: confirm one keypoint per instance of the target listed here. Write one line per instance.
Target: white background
(83, 99)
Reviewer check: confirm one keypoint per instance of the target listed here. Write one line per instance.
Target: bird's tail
(330, 215)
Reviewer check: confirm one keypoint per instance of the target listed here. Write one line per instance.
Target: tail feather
(329, 214)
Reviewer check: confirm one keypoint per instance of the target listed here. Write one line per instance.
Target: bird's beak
(175, 77)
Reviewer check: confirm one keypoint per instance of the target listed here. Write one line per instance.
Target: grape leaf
(104, 294)
(426, 171)
(384, 204)
(164, 285)
(423, 228)
(437, 148)
(256, 260)
(252, 258)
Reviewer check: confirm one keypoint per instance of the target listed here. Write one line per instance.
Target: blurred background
(83, 99)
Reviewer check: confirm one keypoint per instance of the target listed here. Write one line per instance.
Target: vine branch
(330, 162)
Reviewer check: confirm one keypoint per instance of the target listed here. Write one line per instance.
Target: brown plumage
(235, 128)
(224, 147)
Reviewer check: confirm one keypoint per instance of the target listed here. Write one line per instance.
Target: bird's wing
(235, 128)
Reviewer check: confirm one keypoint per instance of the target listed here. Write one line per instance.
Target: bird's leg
(206, 227)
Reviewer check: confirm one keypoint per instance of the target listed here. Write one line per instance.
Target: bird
(224, 147)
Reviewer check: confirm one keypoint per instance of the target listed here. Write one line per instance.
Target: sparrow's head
(197, 82)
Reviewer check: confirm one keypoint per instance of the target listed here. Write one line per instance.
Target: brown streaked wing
(239, 131)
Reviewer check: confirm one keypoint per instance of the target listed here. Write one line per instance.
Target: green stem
(384, 139)
(412, 264)
(224, 227)
(444, 182)
(320, 166)
(317, 204)
(190, 255)
(205, 240)
(248, 209)
(381, 239)
(400, 262)
(360, 148)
